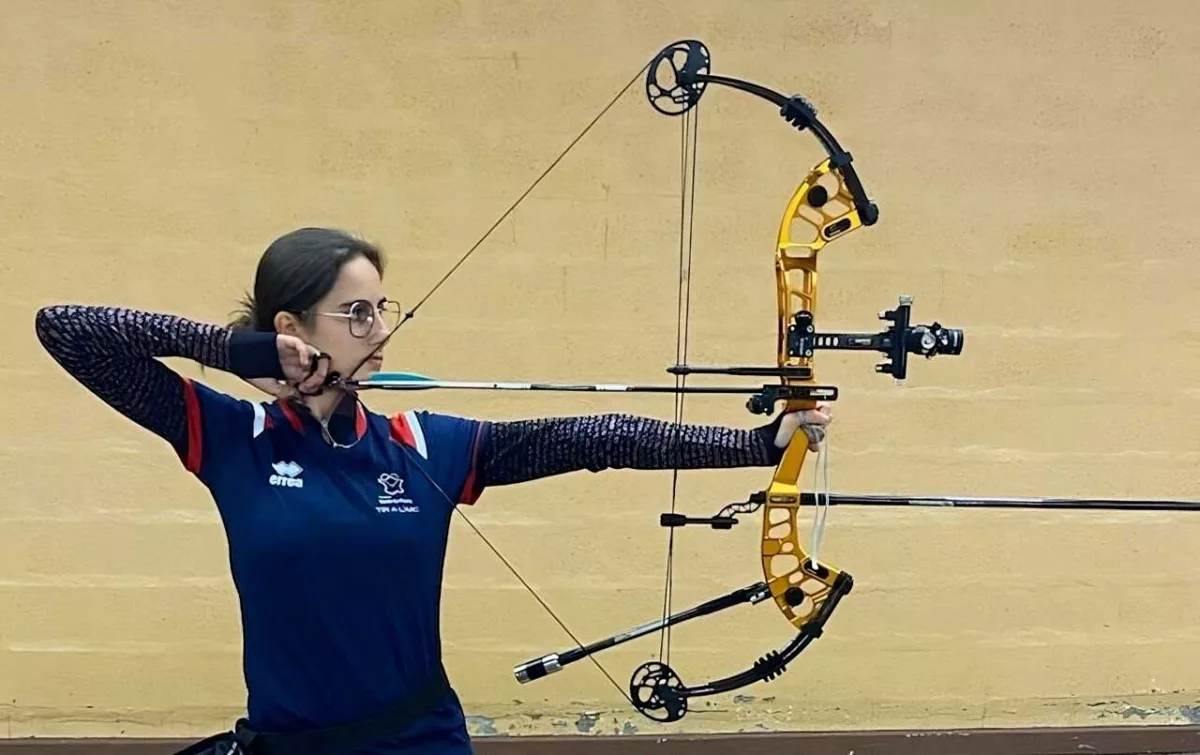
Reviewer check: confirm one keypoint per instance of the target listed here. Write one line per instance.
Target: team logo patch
(393, 500)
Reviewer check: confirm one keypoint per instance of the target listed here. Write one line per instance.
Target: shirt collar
(347, 423)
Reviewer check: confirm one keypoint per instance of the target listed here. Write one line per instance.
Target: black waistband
(338, 739)
(334, 739)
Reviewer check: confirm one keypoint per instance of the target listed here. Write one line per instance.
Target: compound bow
(805, 591)
(829, 204)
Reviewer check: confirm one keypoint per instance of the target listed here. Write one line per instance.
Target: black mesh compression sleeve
(526, 450)
(113, 352)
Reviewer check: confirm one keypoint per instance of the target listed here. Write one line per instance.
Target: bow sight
(896, 343)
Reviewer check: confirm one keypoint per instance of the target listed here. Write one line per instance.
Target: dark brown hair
(296, 271)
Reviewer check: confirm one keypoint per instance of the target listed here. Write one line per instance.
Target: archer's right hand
(304, 366)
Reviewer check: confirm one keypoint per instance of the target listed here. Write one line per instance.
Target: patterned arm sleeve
(113, 353)
(514, 452)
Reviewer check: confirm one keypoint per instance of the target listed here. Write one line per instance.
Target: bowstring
(458, 510)
(689, 129)
(412, 312)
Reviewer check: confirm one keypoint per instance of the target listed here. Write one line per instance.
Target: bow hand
(812, 422)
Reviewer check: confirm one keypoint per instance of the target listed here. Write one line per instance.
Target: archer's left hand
(812, 422)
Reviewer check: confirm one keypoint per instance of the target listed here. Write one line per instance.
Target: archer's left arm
(512, 452)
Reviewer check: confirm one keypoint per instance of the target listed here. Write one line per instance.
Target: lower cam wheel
(655, 690)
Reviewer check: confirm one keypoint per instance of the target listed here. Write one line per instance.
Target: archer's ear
(286, 324)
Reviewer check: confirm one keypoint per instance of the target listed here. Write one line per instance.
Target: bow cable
(689, 141)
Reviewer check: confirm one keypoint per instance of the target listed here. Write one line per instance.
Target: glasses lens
(390, 313)
(361, 319)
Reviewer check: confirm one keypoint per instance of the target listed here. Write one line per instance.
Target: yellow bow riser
(821, 210)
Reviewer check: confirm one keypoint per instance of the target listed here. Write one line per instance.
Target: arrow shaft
(409, 384)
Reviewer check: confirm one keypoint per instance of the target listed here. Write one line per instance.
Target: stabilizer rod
(1111, 504)
(548, 664)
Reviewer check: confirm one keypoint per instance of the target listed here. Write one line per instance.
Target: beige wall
(1035, 163)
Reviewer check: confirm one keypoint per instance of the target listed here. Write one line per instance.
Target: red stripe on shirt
(360, 422)
(471, 491)
(292, 417)
(195, 446)
(401, 432)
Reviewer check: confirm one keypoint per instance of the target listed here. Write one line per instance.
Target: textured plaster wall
(1035, 164)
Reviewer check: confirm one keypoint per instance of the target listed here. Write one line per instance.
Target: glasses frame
(384, 305)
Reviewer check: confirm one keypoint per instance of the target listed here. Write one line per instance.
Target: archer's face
(352, 320)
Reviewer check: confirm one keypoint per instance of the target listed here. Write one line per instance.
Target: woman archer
(336, 516)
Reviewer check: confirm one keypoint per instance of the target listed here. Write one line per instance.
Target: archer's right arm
(114, 352)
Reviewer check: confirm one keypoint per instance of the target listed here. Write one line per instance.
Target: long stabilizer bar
(1117, 504)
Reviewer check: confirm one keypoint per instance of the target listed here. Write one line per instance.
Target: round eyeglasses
(361, 316)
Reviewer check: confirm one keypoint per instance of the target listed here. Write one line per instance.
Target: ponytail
(245, 317)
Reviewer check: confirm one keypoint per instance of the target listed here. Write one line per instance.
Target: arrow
(411, 381)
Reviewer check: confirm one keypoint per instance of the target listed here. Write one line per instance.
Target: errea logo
(287, 475)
